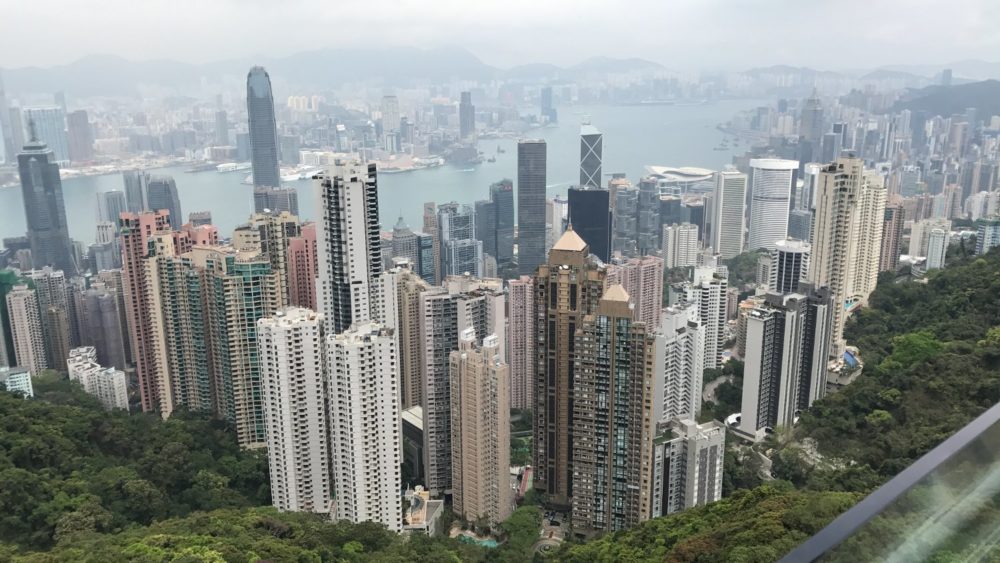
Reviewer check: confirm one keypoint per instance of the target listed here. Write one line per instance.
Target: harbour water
(634, 136)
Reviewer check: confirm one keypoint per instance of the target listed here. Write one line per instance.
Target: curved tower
(263, 130)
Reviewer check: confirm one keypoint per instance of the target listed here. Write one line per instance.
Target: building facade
(480, 430)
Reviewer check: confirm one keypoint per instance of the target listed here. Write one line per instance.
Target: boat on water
(491, 159)
(232, 167)
(500, 150)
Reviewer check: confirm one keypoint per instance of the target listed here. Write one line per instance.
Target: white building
(937, 248)
(26, 329)
(679, 354)
(770, 198)
(108, 384)
(363, 406)
(17, 379)
(709, 292)
(680, 245)
(728, 213)
(290, 346)
(869, 222)
(789, 264)
(687, 465)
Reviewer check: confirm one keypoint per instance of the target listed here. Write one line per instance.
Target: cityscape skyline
(605, 350)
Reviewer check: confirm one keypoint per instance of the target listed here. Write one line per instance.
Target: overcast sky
(681, 34)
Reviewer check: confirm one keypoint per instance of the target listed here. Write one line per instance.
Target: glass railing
(944, 508)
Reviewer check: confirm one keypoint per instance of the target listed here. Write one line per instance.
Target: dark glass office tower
(548, 110)
(263, 130)
(44, 208)
(590, 215)
(530, 205)
(466, 117)
(486, 226)
(161, 193)
(591, 153)
(502, 196)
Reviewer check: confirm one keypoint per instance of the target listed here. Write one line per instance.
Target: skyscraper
(349, 247)
(101, 326)
(687, 465)
(161, 193)
(44, 209)
(530, 205)
(135, 190)
(867, 236)
(521, 341)
(728, 217)
(567, 288)
(679, 357)
(612, 417)
(466, 117)
(263, 130)
(680, 245)
(486, 227)
(276, 200)
(26, 329)
(770, 199)
(502, 196)
(390, 113)
(221, 128)
(81, 136)
(847, 238)
(403, 286)
(789, 265)
(811, 120)
(363, 406)
(709, 292)
(480, 430)
(290, 345)
(591, 156)
(271, 235)
(53, 303)
(110, 206)
(431, 228)
(787, 352)
(446, 311)
(461, 253)
(548, 111)
(50, 129)
(137, 231)
(591, 217)
(642, 279)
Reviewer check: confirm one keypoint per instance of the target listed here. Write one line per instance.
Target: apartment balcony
(941, 508)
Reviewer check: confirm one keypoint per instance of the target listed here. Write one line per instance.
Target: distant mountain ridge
(951, 100)
(101, 75)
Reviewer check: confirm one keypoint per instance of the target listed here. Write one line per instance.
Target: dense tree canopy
(67, 466)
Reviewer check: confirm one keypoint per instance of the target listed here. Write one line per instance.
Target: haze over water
(634, 136)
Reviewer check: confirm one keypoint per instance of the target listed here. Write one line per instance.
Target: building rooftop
(616, 293)
(570, 241)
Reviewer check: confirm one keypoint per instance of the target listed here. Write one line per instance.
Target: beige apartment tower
(480, 430)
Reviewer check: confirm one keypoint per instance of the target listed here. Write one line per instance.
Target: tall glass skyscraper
(263, 130)
(591, 218)
(591, 154)
(44, 208)
(530, 205)
(50, 128)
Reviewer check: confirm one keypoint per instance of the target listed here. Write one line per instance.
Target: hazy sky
(681, 34)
